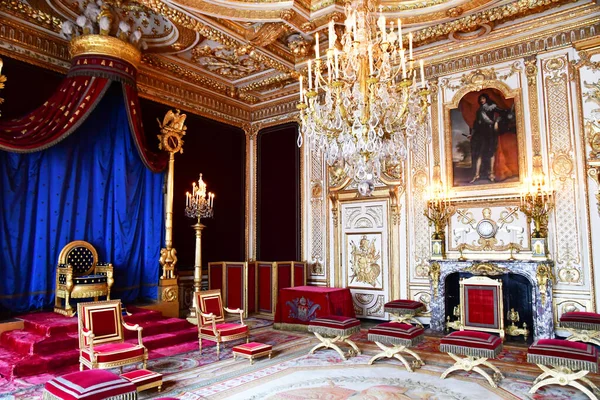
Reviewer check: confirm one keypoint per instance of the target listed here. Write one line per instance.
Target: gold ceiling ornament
(227, 62)
(105, 45)
(368, 105)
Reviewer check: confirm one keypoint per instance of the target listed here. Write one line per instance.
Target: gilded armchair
(101, 338)
(80, 275)
(211, 320)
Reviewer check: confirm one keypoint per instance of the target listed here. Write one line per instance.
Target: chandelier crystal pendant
(362, 105)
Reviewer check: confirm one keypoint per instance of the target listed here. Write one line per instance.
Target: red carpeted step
(56, 344)
(8, 359)
(141, 315)
(170, 339)
(20, 341)
(49, 323)
(158, 327)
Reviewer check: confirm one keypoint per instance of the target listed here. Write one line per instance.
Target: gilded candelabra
(514, 330)
(439, 211)
(362, 102)
(198, 204)
(536, 203)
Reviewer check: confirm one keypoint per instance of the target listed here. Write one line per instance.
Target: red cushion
(394, 329)
(114, 352)
(142, 376)
(580, 316)
(472, 339)
(95, 384)
(252, 348)
(408, 305)
(226, 329)
(335, 322)
(559, 348)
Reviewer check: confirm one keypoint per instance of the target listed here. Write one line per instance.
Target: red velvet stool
(340, 327)
(252, 350)
(583, 326)
(144, 379)
(571, 361)
(404, 311)
(477, 347)
(401, 336)
(94, 384)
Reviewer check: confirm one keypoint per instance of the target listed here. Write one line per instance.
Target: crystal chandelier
(199, 204)
(362, 105)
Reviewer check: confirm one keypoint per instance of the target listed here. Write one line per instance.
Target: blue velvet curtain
(93, 187)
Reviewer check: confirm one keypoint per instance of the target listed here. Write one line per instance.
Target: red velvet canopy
(78, 94)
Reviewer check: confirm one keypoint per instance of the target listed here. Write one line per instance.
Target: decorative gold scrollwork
(434, 277)
(487, 269)
(544, 273)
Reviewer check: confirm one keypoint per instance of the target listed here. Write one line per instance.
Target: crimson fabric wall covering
(278, 194)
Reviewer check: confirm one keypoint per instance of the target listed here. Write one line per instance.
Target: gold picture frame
(467, 175)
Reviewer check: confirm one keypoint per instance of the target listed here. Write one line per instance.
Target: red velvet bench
(144, 379)
(477, 347)
(401, 336)
(340, 327)
(583, 326)
(94, 384)
(404, 311)
(571, 361)
(252, 350)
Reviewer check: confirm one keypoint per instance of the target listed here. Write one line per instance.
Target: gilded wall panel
(317, 220)
(566, 246)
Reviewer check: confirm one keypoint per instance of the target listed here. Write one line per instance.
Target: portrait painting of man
(484, 139)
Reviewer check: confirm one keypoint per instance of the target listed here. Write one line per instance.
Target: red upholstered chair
(101, 338)
(211, 320)
(482, 305)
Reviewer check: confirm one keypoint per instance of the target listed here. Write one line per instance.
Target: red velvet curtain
(79, 93)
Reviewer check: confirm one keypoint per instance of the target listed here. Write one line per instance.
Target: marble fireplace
(538, 273)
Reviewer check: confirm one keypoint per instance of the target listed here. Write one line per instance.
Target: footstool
(404, 311)
(144, 379)
(252, 350)
(477, 347)
(93, 384)
(340, 327)
(571, 362)
(401, 336)
(583, 326)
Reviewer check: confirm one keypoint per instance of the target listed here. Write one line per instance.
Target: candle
(337, 66)
(331, 34)
(403, 60)
(422, 73)
(317, 45)
(410, 38)
(301, 89)
(400, 34)
(317, 75)
(309, 74)
(187, 199)
(371, 59)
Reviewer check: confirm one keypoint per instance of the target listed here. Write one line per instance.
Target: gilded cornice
(248, 14)
(187, 74)
(24, 11)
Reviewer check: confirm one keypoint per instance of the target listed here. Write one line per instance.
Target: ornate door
(365, 256)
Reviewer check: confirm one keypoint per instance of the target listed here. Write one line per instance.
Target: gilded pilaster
(561, 149)
(531, 71)
(251, 131)
(317, 212)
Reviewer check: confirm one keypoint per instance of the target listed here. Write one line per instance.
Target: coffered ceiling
(249, 53)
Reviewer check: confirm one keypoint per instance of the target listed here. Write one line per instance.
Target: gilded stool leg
(352, 344)
(159, 388)
(583, 335)
(405, 318)
(270, 353)
(418, 361)
(471, 363)
(394, 352)
(328, 343)
(218, 349)
(565, 377)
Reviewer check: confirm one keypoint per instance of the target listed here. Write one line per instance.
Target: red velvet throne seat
(211, 320)
(101, 337)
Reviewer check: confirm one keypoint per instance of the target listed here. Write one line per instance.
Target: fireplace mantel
(539, 274)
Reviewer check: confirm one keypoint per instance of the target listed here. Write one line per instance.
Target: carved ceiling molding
(28, 13)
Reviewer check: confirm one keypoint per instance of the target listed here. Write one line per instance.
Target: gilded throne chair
(79, 275)
(102, 338)
(211, 320)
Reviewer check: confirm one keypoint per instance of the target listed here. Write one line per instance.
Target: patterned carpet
(294, 374)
